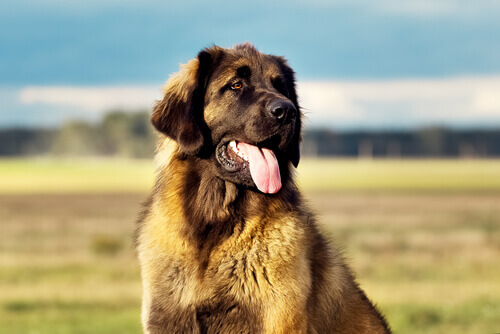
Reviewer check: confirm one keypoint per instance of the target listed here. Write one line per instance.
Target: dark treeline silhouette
(127, 134)
(130, 134)
(424, 142)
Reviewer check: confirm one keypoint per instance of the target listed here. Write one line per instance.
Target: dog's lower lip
(226, 161)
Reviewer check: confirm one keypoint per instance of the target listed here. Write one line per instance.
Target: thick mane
(220, 251)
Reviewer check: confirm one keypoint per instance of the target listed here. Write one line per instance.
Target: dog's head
(238, 109)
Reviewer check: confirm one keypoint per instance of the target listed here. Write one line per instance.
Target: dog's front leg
(161, 317)
(283, 320)
(165, 311)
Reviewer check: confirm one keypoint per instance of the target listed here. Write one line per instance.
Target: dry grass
(53, 280)
(59, 176)
(429, 260)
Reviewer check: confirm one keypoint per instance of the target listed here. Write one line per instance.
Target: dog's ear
(179, 114)
(289, 76)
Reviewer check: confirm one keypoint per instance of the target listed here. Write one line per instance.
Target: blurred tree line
(130, 134)
(126, 134)
(424, 142)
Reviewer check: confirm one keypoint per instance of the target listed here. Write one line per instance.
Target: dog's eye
(236, 86)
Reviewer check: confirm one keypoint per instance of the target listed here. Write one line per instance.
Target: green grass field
(42, 176)
(423, 237)
(35, 176)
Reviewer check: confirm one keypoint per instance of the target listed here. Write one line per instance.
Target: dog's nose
(281, 110)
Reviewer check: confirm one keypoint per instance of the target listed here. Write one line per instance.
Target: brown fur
(217, 255)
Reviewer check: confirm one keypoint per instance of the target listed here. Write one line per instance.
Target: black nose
(281, 110)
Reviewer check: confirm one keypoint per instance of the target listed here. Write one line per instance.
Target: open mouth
(260, 162)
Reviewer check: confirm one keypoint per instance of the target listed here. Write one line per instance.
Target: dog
(225, 242)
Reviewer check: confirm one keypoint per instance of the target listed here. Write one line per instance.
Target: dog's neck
(213, 208)
(208, 198)
(205, 195)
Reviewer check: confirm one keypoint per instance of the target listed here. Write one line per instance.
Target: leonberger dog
(226, 243)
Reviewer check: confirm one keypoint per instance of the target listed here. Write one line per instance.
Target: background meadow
(401, 148)
(422, 235)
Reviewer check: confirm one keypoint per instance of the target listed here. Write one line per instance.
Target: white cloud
(473, 101)
(92, 99)
(455, 101)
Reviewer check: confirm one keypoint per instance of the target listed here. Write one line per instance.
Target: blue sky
(93, 47)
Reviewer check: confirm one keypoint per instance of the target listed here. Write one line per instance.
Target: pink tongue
(264, 167)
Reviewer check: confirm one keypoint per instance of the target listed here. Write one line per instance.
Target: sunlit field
(423, 237)
(28, 176)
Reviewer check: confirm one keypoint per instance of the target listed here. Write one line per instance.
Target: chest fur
(261, 260)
